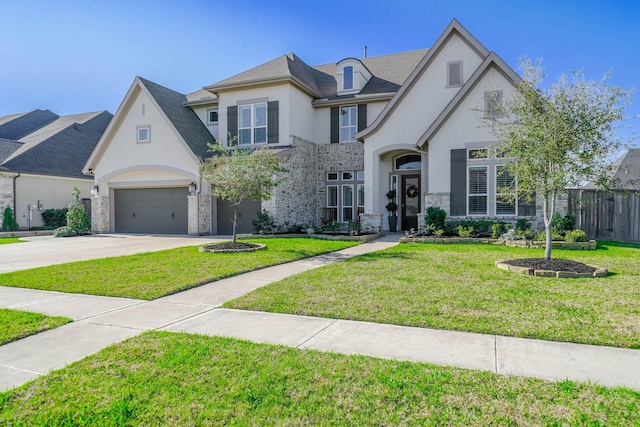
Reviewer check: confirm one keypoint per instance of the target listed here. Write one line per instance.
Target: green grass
(7, 240)
(457, 287)
(162, 378)
(15, 324)
(154, 274)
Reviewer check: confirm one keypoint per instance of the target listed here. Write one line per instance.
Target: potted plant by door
(392, 207)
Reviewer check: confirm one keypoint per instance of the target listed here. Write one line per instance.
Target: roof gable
(493, 60)
(454, 28)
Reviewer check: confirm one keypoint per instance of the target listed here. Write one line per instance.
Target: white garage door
(151, 210)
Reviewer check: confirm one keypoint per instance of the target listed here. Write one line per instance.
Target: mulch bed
(553, 264)
(232, 247)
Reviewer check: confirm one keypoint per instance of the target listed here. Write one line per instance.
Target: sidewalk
(102, 321)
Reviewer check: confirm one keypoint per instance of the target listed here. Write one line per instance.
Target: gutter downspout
(15, 203)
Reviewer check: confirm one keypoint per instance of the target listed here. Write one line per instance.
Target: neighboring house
(347, 132)
(625, 172)
(41, 160)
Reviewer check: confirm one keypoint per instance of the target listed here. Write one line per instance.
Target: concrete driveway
(48, 250)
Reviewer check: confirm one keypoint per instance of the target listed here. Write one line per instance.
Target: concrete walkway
(102, 321)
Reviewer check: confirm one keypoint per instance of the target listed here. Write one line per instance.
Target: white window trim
(253, 126)
(449, 64)
(143, 141)
(354, 125)
(485, 194)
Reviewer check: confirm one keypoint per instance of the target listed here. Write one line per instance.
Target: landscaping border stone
(590, 245)
(364, 238)
(599, 272)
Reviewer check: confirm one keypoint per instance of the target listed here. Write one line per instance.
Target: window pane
(347, 195)
(143, 134)
(360, 194)
(478, 180)
(346, 134)
(260, 136)
(477, 205)
(505, 207)
(332, 196)
(360, 175)
(347, 214)
(213, 117)
(244, 115)
(261, 115)
(332, 176)
(348, 78)
(347, 176)
(244, 136)
(478, 153)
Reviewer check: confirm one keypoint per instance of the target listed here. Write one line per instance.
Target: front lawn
(151, 275)
(162, 378)
(15, 324)
(457, 287)
(7, 240)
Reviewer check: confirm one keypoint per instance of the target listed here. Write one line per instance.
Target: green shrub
(54, 218)
(77, 219)
(523, 224)
(464, 231)
(435, 216)
(540, 236)
(64, 232)
(497, 230)
(576, 235)
(264, 223)
(560, 225)
(298, 228)
(9, 221)
(481, 227)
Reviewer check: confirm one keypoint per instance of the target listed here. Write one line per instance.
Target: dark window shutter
(526, 208)
(273, 122)
(232, 122)
(458, 205)
(335, 125)
(362, 116)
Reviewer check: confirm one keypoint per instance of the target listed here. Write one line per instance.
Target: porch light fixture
(192, 188)
(94, 190)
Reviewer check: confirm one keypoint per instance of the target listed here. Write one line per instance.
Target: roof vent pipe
(365, 51)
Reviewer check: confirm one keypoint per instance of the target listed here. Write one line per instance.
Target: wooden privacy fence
(607, 216)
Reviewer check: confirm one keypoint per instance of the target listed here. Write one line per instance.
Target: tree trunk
(235, 221)
(548, 206)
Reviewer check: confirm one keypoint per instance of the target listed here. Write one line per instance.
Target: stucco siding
(54, 192)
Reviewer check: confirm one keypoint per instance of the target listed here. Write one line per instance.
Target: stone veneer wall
(6, 193)
(295, 200)
(336, 158)
(371, 222)
(199, 214)
(100, 214)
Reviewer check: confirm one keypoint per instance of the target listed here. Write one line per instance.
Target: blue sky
(78, 56)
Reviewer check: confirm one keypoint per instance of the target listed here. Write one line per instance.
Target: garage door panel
(151, 210)
(248, 213)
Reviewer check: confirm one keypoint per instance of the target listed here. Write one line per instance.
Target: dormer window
(454, 74)
(347, 78)
(351, 76)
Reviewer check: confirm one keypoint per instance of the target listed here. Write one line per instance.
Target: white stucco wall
(427, 98)
(126, 160)
(54, 192)
(303, 117)
(462, 130)
(203, 114)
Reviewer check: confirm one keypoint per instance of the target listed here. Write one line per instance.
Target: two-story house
(347, 132)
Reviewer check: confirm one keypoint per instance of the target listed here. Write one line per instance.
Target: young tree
(77, 218)
(560, 137)
(236, 174)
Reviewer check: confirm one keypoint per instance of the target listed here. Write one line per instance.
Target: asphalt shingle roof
(389, 73)
(7, 148)
(625, 171)
(184, 119)
(63, 152)
(20, 125)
